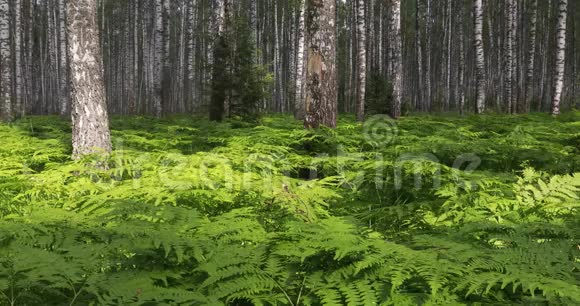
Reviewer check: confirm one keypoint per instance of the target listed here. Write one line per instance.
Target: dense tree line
(160, 55)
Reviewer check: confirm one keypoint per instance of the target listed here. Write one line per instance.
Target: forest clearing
(300, 152)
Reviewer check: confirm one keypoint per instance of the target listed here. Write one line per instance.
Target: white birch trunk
(166, 84)
(158, 59)
(17, 31)
(6, 63)
(397, 57)
(479, 56)
(509, 54)
(89, 109)
(560, 56)
(191, 14)
(64, 75)
(299, 110)
(362, 60)
(461, 72)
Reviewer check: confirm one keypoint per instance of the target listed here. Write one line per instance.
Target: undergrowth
(453, 211)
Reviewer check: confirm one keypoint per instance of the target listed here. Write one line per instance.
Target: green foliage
(221, 78)
(250, 81)
(379, 94)
(239, 84)
(193, 212)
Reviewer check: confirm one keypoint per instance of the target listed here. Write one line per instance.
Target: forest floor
(435, 210)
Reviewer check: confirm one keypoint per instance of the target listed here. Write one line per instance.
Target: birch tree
(89, 109)
(321, 98)
(560, 56)
(5, 62)
(509, 54)
(299, 110)
(479, 56)
(361, 60)
(159, 54)
(158, 59)
(397, 57)
(18, 80)
(165, 54)
(461, 71)
(63, 64)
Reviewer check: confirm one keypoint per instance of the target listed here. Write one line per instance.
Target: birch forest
(431, 56)
(289, 152)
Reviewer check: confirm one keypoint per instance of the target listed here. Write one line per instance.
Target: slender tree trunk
(30, 92)
(277, 76)
(449, 52)
(89, 109)
(6, 63)
(64, 80)
(545, 75)
(560, 56)
(397, 58)
(54, 73)
(158, 67)
(166, 79)
(461, 72)
(362, 59)
(299, 110)
(182, 50)
(350, 105)
(419, 47)
(190, 85)
(479, 56)
(531, 56)
(321, 99)
(18, 110)
(428, 89)
(509, 61)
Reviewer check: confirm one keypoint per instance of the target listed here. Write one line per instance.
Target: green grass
(432, 210)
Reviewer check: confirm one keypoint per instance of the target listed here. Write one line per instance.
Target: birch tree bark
(158, 60)
(321, 98)
(18, 80)
(479, 56)
(362, 60)
(5, 63)
(509, 54)
(63, 64)
(397, 57)
(299, 110)
(166, 84)
(89, 109)
(191, 21)
(461, 71)
(560, 56)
